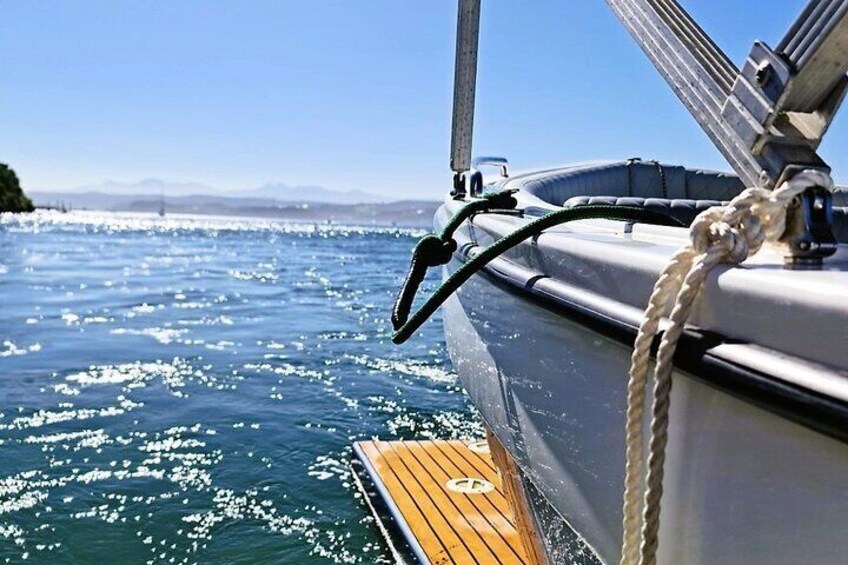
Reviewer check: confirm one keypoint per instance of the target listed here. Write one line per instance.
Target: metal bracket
(468, 183)
(459, 186)
(768, 119)
(760, 111)
(808, 227)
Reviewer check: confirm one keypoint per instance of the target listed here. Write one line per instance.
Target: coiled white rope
(723, 234)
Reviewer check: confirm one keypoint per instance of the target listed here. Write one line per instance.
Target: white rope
(722, 234)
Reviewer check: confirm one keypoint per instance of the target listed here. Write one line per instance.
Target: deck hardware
(768, 118)
(475, 183)
(459, 189)
(763, 74)
(469, 485)
(499, 162)
(481, 446)
(475, 186)
(810, 219)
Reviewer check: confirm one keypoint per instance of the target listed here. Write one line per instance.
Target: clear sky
(346, 94)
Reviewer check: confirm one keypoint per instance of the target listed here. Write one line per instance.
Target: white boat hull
(752, 476)
(742, 485)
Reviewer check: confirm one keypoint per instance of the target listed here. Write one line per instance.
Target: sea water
(186, 389)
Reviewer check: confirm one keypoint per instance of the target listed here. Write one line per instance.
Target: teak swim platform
(446, 499)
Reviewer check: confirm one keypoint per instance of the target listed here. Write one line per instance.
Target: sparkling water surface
(186, 389)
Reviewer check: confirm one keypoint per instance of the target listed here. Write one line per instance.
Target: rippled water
(185, 390)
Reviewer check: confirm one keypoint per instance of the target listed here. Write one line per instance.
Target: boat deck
(441, 524)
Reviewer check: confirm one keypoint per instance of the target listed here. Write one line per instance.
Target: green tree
(12, 197)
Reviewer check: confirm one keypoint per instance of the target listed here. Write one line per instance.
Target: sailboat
(575, 296)
(162, 205)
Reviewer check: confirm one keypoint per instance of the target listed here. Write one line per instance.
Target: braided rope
(723, 234)
(407, 325)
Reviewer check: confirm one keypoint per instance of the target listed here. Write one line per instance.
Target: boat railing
(499, 162)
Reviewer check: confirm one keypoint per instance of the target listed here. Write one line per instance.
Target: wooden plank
(458, 526)
(468, 523)
(490, 523)
(412, 513)
(447, 457)
(447, 526)
(478, 460)
(455, 546)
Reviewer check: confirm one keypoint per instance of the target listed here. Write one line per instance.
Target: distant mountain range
(280, 191)
(275, 191)
(312, 204)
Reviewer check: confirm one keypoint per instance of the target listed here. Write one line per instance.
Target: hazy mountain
(275, 200)
(287, 193)
(122, 202)
(417, 213)
(151, 186)
(271, 191)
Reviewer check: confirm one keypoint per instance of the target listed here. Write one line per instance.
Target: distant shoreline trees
(12, 197)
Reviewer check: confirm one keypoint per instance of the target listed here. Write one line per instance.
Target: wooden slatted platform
(440, 525)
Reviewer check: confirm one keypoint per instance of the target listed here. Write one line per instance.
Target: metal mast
(464, 88)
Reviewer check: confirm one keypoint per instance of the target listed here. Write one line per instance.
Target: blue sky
(345, 94)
